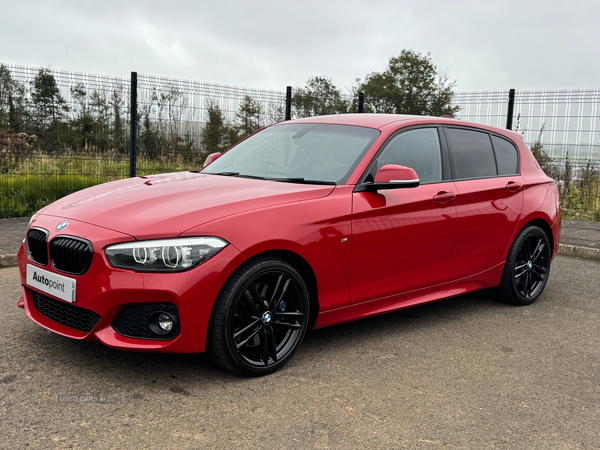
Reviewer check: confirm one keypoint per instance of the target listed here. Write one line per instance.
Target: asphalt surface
(580, 233)
(464, 373)
(12, 232)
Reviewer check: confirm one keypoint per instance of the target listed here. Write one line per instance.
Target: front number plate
(56, 285)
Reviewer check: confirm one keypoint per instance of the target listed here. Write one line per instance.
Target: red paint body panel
(402, 239)
(396, 302)
(313, 230)
(159, 206)
(369, 252)
(487, 217)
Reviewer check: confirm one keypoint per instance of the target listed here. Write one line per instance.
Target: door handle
(513, 186)
(444, 196)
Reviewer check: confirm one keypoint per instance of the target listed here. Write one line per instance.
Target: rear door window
(472, 154)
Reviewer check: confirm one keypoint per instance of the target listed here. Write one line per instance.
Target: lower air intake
(71, 316)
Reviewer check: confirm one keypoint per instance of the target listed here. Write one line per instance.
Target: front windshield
(309, 153)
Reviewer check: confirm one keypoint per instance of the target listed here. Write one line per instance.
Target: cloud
(270, 44)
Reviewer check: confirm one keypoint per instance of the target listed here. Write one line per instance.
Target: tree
(117, 105)
(49, 109)
(275, 112)
(170, 107)
(89, 127)
(589, 186)
(547, 164)
(83, 125)
(49, 105)
(162, 123)
(565, 180)
(247, 120)
(102, 113)
(12, 102)
(214, 135)
(411, 84)
(320, 97)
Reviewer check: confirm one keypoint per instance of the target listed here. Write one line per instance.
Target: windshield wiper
(225, 174)
(236, 174)
(300, 180)
(254, 177)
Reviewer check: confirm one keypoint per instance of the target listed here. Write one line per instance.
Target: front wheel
(527, 268)
(259, 318)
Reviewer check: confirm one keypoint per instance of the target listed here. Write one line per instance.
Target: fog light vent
(159, 321)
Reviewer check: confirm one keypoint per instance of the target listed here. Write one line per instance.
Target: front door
(402, 239)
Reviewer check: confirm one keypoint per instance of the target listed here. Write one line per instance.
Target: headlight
(164, 255)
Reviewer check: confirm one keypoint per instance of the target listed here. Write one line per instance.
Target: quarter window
(418, 149)
(506, 156)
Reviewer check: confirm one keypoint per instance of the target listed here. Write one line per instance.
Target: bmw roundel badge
(62, 225)
(267, 317)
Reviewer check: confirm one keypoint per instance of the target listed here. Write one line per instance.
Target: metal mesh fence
(58, 135)
(570, 119)
(62, 131)
(565, 124)
(174, 112)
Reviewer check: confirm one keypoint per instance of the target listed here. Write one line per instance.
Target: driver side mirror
(391, 176)
(211, 158)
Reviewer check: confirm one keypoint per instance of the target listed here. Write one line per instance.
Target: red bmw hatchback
(305, 224)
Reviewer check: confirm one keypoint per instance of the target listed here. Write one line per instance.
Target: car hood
(166, 205)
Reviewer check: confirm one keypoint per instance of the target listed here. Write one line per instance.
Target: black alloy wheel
(260, 317)
(527, 267)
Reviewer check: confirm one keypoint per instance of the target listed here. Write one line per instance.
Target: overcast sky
(269, 44)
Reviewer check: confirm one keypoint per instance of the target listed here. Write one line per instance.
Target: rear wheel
(260, 317)
(527, 268)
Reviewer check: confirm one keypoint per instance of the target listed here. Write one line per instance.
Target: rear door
(489, 198)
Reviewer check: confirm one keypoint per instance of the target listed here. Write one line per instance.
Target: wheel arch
(546, 228)
(307, 273)
(530, 288)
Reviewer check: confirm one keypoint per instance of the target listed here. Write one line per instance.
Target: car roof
(379, 121)
(363, 120)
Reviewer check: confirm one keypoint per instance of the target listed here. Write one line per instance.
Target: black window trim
(490, 134)
(446, 173)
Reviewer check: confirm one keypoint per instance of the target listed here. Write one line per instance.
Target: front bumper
(106, 291)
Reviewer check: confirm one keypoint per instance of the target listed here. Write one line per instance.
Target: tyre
(259, 318)
(527, 268)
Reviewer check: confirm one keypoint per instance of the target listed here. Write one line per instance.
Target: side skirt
(484, 280)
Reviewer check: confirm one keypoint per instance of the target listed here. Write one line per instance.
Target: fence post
(288, 103)
(133, 128)
(511, 108)
(361, 102)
